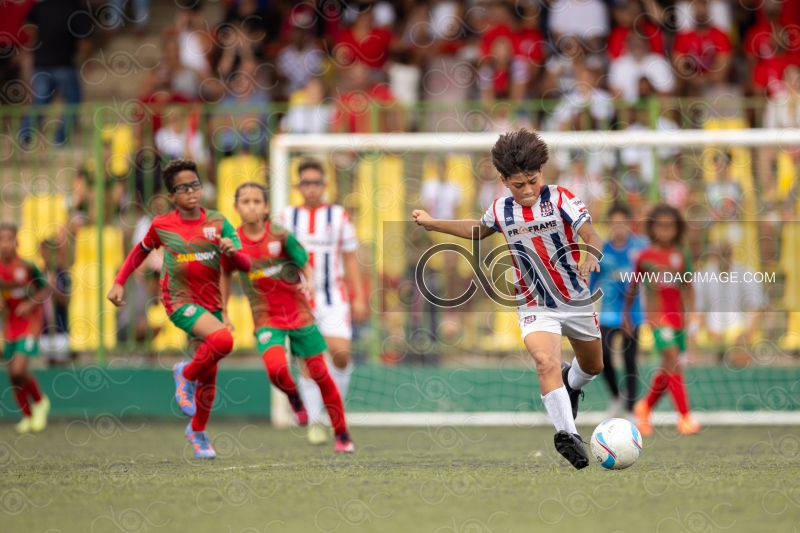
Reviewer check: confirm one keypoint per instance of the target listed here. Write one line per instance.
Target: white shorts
(582, 326)
(334, 320)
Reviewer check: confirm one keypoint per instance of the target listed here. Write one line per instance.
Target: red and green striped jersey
(662, 271)
(192, 260)
(272, 283)
(19, 281)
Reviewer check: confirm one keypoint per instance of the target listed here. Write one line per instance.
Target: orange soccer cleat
(687, 425)
(642, 412)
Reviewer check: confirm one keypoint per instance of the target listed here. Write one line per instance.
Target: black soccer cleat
(573, 393)
(571, 447)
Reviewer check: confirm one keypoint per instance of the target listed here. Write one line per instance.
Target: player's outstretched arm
(459, 228)
(132, 262)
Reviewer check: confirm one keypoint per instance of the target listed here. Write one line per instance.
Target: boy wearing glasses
(326, 232)
(197, 245)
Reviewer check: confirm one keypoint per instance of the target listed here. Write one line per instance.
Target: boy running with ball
(538, 221)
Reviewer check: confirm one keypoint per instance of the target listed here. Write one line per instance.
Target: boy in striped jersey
(541, 224)
(326, 232)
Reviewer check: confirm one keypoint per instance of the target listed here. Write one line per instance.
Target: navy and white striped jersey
(325, 232)
(549, 225)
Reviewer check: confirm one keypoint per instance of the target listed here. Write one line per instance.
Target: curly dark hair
(176, 166)
(664, 210)
(519, 151)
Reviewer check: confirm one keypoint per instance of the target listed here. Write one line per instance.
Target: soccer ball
(616, 444)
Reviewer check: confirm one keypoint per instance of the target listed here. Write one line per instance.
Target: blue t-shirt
(617, 261)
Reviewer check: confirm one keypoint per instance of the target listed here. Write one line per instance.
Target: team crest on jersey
(528, 320)
(210, 233)
(675, 260)
(264, 337)
(20, 274)
(546, 208)
(190, 311)
(274, 248)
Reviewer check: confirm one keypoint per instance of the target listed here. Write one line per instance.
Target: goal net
(422, 363)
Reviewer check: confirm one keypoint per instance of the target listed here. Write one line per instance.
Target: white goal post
(281, 146)
(284, 148)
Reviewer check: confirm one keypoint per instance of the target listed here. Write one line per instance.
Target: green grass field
(108, 475)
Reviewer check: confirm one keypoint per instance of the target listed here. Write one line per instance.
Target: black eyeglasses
(311, 183)
(186, 187)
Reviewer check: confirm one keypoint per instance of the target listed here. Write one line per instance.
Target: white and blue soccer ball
(616, 444)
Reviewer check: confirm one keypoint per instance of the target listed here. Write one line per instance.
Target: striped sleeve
(572, 209)
(488, 219)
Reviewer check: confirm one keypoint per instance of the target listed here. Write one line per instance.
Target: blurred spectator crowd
(333, 61)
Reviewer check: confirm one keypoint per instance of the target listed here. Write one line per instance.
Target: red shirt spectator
(12, 15)
(768, 72)
(501, 30)
(529, 43)
(363, 43)
(354, 113)
(648, 30)
(701, 46)
(760, 39)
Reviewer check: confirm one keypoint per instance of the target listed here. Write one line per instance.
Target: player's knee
(545, 361)
(594, 367)
(221, 342)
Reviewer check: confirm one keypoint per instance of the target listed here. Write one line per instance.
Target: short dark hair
(9, 226)
(176, 166)
(519, 151)
(620, 209)
(662, 210)
(312, 164)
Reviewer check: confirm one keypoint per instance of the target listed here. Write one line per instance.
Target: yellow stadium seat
(242, 318)
(231, 172)
(787, 172)
(88, 288)
(86, 240)
(122, 145)
(790, 253)
(85, 310)
(380, 197)
(43, 216)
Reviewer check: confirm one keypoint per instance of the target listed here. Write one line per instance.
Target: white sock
(577, 377)
(312, 399)
(341, 376)
(560, 410)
